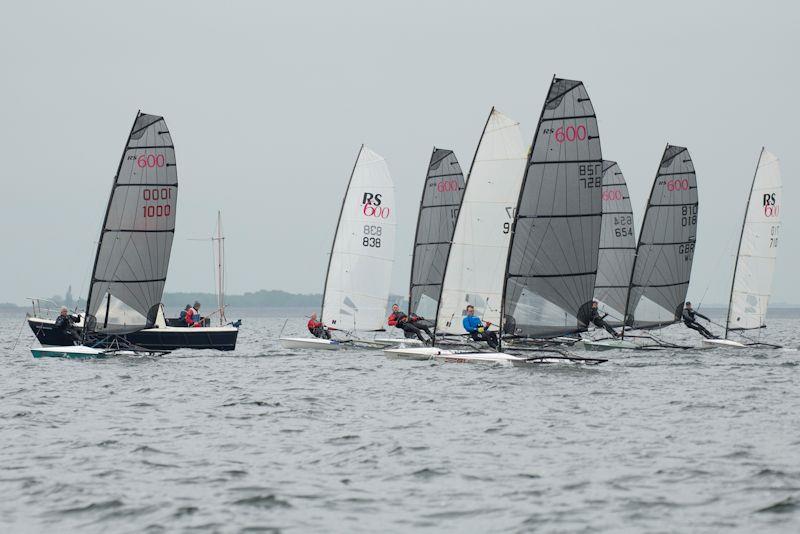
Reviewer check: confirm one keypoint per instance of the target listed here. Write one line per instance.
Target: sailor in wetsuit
(65, 325)
(689, 320)
(317, 328)
(413, 325)
(600, 320)
(477, 330)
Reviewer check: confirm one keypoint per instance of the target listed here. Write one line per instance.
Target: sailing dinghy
(615, 258)
(473, 268)
(132, 258)
(662, 265)
(547, 282)
(755, 259)
(124, 302)
(359, 273)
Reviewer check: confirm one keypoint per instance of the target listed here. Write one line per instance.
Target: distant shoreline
(281, 299)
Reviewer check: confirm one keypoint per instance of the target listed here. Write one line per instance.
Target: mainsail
(663, 264)
(758, 248)
(475, 266)
(552, 260)
(130, 267)
(617, 245)
(362, 255)
(438, 212)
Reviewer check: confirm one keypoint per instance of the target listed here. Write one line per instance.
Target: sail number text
(568, 134)
(688, 215)
(149, 161)
(372, 236)
(590, 175)
(623, 225)
(157, 194)
(773, 236)
(511, 212)
(446, 186)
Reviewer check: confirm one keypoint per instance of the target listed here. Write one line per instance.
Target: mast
(103, 226)
(674, 200)
(220, 245)
(336, 233)
(739, 248)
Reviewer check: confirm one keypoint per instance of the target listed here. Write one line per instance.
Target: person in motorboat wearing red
(193, 318)
(413, 325)
(317, 328)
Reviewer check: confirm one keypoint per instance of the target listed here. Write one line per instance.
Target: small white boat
(723, 343)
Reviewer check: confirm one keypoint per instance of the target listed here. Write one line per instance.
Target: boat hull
(309, 343)
(723, 343)
(75, 352)
(607, 344)
(163, 339)
(501, 358)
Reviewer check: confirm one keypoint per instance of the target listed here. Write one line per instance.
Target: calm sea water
(269, 440)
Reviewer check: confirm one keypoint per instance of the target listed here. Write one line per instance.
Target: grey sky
(268, 103)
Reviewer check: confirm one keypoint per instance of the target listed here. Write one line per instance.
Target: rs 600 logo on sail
(371, 206)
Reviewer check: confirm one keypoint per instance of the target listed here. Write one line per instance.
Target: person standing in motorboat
(65, 325)
(600, 320)
(317, 328)
(477, 329)
(410, 325)
(193, 318)
(689, 320)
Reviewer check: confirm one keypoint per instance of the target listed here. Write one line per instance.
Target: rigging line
(725, 253)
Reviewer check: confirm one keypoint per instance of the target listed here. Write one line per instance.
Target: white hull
(309, 343)
(607, 344)
(394, 342)
(723, 343)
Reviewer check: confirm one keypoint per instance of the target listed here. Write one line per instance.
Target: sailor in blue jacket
(477, 330)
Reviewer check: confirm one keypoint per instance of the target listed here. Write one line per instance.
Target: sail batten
(136, 237)
(751, 286)
(665, 251)
(362, 253)
(553, 255)
(436, 221)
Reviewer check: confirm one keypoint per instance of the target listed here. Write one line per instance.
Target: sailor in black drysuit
(689, 320)
(413, 325)
(599, 320)
(65, 326)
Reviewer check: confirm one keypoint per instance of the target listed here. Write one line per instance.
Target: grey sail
(552, 260)
(617, 246)
(663, 264)
(438, 212)
(133, 252)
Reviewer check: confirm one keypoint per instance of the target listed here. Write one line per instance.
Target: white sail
(758, 247)
(476, 265)
(362, 256)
